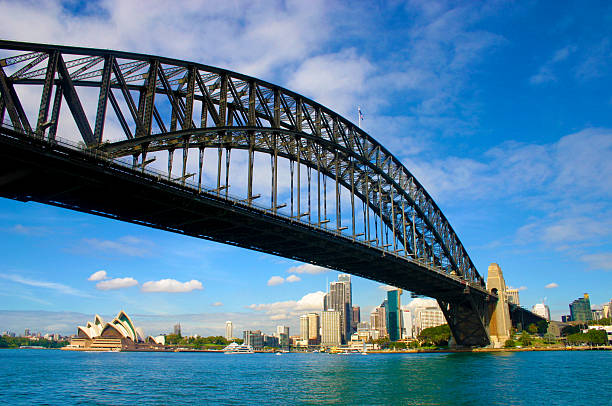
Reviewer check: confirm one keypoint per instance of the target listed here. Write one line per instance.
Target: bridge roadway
(60, 174)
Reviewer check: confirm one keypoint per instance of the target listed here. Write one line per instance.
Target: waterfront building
(304, 327)
(580, 309)
(229, 330)
(314, 327)
(271, 341)
(427, 316)
(26, 333)
(335, 300)
(254, 338)
(356, 314)
(119, 334)
(282, 333)
(177, 329)
(407, 324)
(513, 296)
(330, 328)
(394, 315)
(597, 314)
(541, 310)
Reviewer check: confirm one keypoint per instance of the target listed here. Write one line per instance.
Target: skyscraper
(427, 316)
(394, 315)
(378, 319)
(282, 332)
(406, 323)
(229, 330)
(356, 319)
(304, 327)
(335, 300)
(580, 309)
(330, 328)
(348, 304)
(177, 329)
(314, 325)
(541, 310)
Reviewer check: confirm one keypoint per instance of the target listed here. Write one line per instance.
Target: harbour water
(508, 378)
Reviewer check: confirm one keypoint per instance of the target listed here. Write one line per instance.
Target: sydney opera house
(118, 335)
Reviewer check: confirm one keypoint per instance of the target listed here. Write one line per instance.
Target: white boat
(235, 348)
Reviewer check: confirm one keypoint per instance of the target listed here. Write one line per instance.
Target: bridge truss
(326, 177)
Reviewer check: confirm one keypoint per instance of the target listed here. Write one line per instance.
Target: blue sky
(502, 110)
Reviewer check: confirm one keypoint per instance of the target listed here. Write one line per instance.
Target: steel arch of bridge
(168, 105)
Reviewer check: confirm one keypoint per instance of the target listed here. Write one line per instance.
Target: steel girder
(233, 109)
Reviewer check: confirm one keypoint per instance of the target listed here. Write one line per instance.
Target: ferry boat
(235, 348)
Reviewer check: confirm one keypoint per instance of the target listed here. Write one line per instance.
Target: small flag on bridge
(360, 115)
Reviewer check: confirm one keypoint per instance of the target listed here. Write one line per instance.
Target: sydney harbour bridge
(222, 156)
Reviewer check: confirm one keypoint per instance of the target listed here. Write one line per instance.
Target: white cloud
(421, 302)
(276, 280)
(171, 286)
(217, 304)
(308, 269)
(98, 276)
(59, 287)
(293, 278)
(127, 245)
(309, 302)
(386, 288)
(551, 285)
(522, 288)
(28, 230)
(116, 283)
(600, 261)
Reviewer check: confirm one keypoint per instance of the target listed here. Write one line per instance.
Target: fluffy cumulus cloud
(116, 283)
(291, 308)
(171, 286)
(551, 285)
(307, 269)
(217, 304)
(293, 278)
(98, 276)
(276, 280)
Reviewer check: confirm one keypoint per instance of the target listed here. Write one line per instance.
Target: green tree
(569, 330)
(532, 328)
(510, 343)
(525, 339)
(549, 338)
(596, 337)
(542, 327)
(438, 336)
(601, 322)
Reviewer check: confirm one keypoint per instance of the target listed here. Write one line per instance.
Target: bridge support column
(467, 317)
(500, 325)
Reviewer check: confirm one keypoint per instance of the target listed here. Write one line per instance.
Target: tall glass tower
(580, 309)
(394, 315)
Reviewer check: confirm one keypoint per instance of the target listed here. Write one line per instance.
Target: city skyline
(526, 187)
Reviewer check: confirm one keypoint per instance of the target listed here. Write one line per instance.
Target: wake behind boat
(235, 348)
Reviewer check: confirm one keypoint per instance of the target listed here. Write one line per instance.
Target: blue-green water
(526, 378)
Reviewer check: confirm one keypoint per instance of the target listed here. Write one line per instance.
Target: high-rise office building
(348, 304)
(26, 333)
(335, 300)
(229, 330)
(282, 332)
(541, 310)
(356, 318)
(426, 316)
(314, 327)
(378, 320)
(330, 328)
(407, 323)
(177, 329)
(304, 330)
(607, 310)
(580, 309)
(394, 315)
(513, 296)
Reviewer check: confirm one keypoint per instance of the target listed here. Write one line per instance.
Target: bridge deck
(32, 169)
